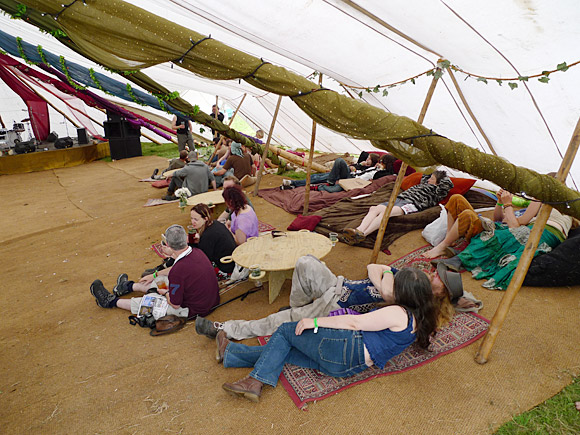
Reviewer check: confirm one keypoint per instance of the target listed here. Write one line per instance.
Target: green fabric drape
(126, 37)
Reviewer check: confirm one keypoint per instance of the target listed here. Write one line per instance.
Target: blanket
(349, 213)
(292, 200)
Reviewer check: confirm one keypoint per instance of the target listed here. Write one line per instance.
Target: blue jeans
(335, 352)
(339, 171)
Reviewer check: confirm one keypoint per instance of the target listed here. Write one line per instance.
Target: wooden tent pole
(229, 125)
(310, 157)
(399, 181)
(265, 151)
(520, 273)
(464, 101)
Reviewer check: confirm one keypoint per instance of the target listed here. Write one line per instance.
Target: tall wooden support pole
(265, 151)
(520, 273)
(399, 181)
(310, 157)
(464, 101)
(229, 125)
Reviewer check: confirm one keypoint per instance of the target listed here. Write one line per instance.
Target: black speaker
(113, 117)
(82, 135)
(113, 129)
(123, 148)
(53, 136)
(129, 130)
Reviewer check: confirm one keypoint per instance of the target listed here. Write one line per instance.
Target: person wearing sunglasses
(193, 287)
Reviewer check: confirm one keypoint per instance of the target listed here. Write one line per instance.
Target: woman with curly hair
(339, 345)
(213, 238)
(244, 222)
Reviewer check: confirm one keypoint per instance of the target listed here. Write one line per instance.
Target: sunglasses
(163, 240)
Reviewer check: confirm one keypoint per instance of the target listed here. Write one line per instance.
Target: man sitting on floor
(316, 291)
(173, 164)
(195, 176)
(193, 287)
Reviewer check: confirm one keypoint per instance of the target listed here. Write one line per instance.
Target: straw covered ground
(68, 366)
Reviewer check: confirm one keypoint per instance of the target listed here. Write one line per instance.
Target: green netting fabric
(126, 37)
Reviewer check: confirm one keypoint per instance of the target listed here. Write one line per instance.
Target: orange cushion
(460, 185)
(305, 223)
(411, 180)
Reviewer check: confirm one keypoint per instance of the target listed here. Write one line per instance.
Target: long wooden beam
(515, 284)
(399, 181)
(310, 157)
(265, 152)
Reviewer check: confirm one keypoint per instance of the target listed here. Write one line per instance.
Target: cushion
(161, 184)
(353, 183)
(411, 180)
(460, 187)
(560, 267)
(304, 223)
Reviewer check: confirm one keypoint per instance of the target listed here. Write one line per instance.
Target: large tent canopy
(380, 52)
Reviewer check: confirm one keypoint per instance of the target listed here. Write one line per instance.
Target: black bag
(146, 321)
(63, 142)
(25, 147)
(52, 137)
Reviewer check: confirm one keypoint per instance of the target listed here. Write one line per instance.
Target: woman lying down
(338, 346)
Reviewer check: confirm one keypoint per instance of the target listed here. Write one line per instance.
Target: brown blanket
(293, 200)
(349, 213)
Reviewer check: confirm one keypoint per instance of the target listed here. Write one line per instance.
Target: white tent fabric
(373, 42)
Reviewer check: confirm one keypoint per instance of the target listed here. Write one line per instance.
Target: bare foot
(435, 252)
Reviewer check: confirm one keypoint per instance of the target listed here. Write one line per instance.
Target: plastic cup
(255, 270)
(162, 282)
(333, 238)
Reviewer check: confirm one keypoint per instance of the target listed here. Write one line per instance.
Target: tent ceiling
(530, 126)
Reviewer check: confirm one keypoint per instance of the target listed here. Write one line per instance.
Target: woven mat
(157, 201)
(308, 385)
(263, 227)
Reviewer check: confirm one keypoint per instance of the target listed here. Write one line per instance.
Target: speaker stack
(124, 139)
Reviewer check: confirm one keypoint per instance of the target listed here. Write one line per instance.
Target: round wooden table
(278, 255)
(213, 196)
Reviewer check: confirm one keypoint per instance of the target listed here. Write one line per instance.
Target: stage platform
(52, 159)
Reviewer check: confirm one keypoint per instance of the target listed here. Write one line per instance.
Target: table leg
(275, 281)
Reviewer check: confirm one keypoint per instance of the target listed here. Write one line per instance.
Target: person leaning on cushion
(193, 287)
(244, 222)
(322, 343)
(432, 189)
(213, 238)
(316, 292)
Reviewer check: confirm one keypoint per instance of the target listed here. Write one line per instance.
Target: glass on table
(333, 238)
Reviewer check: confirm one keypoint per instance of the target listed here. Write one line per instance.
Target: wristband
(507, 205)
(387, 271)
(154, 274)
(315, 325)
(500, 204)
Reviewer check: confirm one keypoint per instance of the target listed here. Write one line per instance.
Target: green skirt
(494, 257)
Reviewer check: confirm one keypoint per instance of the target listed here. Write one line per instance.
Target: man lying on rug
(428, 193)
(328, 181)
(321, 343)
(192, 289)
(495, 248)
(316, 291)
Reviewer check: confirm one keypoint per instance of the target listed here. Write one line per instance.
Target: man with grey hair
(195, 176)
(193, 287)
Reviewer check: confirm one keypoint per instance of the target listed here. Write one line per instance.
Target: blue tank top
(360, 295)
(384, 345)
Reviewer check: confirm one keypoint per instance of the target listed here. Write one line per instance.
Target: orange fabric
(468, 223)
(411, 180)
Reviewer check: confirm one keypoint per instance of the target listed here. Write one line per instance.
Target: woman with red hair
(244, 220)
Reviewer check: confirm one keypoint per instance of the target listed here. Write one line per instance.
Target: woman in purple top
(339, 345)
(244, 220)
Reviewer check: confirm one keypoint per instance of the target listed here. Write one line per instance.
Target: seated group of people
(198, 177)
(335, 325)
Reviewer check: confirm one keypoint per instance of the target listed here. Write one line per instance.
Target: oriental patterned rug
(308, 385)
(416, 258)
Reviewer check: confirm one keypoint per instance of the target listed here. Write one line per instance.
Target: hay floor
(68, 366)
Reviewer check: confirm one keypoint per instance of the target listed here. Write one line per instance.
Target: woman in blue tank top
(340, 345)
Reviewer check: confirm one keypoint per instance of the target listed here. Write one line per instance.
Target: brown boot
(221, 342)
(248, 387)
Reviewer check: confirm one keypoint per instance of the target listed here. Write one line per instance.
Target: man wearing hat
(462, 300)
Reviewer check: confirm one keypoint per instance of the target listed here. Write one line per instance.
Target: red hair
(235, 198)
